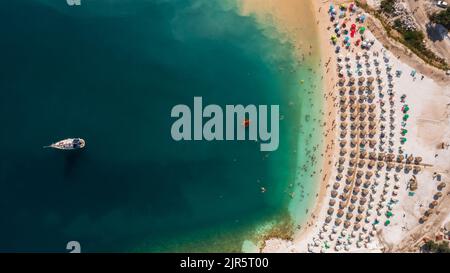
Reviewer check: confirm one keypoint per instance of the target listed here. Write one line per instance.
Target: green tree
(442, 17)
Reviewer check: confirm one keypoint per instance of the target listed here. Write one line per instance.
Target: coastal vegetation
(401, 28)
(433, 247)
(387, 6)
(442, 17)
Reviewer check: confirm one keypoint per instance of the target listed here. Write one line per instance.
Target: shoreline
(328, 65)
(289, 24)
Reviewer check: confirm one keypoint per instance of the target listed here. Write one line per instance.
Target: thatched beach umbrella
(339, 176)
(332, 202)
(372, 116)
(361, 209)
(330, 211)
(434, 203)
(380, 164)
(352, 162)
(371, 164)
(358, 182)
(373, 155)
(349, 216)
(346, 224)
(337, 222)
(352, 89)
(356, 190)
(407, 167)
(351, 207)
(409, 159)
(417, 160)
(361, 163)
(417, 169)
(381, 156)
(363, 154)
(349, 180)
(359, 217)
(362, 201)
(336, 185)
(390, 165)
(350, 171)
(438, 195)
(343, 151)
(371, 98)
(359, 173)
(354, 199)
(340, 168)
(347, 188)
(341, 160)
(369, 174)
(441, 186)
(364, 192)
(362, 125)
(340, 213)
(334, 193)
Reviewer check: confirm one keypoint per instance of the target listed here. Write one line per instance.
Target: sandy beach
(384, 186)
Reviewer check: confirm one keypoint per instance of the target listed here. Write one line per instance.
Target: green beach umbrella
(403, 140)
(387, 222)
(389, 214)
(406, 117)
(404, 131)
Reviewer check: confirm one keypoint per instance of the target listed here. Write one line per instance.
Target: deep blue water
(110, 72)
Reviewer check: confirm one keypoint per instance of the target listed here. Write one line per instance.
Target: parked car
(442, 4)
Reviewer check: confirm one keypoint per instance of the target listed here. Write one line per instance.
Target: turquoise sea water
(110, 72)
